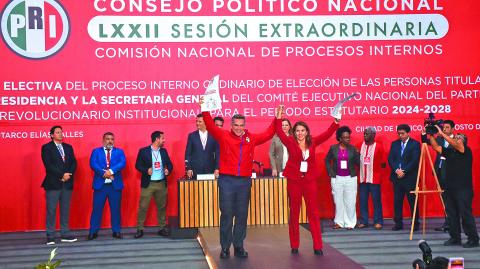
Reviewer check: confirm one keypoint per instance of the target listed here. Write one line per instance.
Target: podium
(198, 203)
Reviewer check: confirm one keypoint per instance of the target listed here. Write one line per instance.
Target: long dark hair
(308, 137)
(290, 131)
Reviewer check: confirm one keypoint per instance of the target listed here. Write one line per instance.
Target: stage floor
(269, 247)
(28, 249)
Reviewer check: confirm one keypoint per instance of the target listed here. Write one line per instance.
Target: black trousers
(459, 208)
(441, 172)
(399, 193)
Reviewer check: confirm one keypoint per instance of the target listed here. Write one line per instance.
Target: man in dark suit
(60, 164)
(107, 163)
(219, 121)
(440, 167)
(155, 165)
(202, 152)
(403, 159)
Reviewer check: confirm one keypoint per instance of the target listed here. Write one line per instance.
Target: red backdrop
(418, 72)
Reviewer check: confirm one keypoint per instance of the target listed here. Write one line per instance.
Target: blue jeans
(374, 189)
(234, 201)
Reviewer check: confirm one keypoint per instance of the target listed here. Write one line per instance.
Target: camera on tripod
(430, 123)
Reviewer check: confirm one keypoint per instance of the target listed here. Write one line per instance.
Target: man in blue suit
(155, 165)
(403, 159)
(202, 152)
(107, 163)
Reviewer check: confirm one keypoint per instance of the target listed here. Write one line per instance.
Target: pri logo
(35, 29)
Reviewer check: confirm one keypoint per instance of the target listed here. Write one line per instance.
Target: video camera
(430, 123)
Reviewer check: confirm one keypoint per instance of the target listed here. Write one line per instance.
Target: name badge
(157, 165)
(366, 160)
(303, 167)
(343, 164)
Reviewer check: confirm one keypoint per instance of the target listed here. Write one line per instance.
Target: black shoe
(471, 244)
(294, 251)
(117, 235)
(440, 229)
(225, 253)
(164, 231)
(240, 252)
(69, 239)
(397, 228)
(318, 252)
(50, 241)
(92, 236)
(139, 234)
(416, 227)
(452, 242)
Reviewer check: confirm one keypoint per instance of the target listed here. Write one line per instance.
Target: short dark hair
(403, 127)
(52, 130)
(238, 117)
(200, 115)
(439, 263)
(107, 133)
(156, 135)
(342, 130)
(449, 122)
(219, 118)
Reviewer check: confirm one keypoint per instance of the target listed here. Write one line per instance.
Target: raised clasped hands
(280, 111)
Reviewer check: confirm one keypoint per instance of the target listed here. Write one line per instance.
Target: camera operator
(458, 187)
(440, 167)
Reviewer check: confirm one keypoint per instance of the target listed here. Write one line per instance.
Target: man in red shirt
(236, 162)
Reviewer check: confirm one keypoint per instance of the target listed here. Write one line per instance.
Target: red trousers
(308, 189)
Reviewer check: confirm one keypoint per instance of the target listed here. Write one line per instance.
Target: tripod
(417, 191)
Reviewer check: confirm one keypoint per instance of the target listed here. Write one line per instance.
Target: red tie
(108, 158)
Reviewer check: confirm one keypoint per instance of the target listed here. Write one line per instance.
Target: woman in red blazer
(302, 173)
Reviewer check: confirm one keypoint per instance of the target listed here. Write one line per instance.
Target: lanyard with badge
(366, 158)
(156, 163)
(343, 163)
(304, 163)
